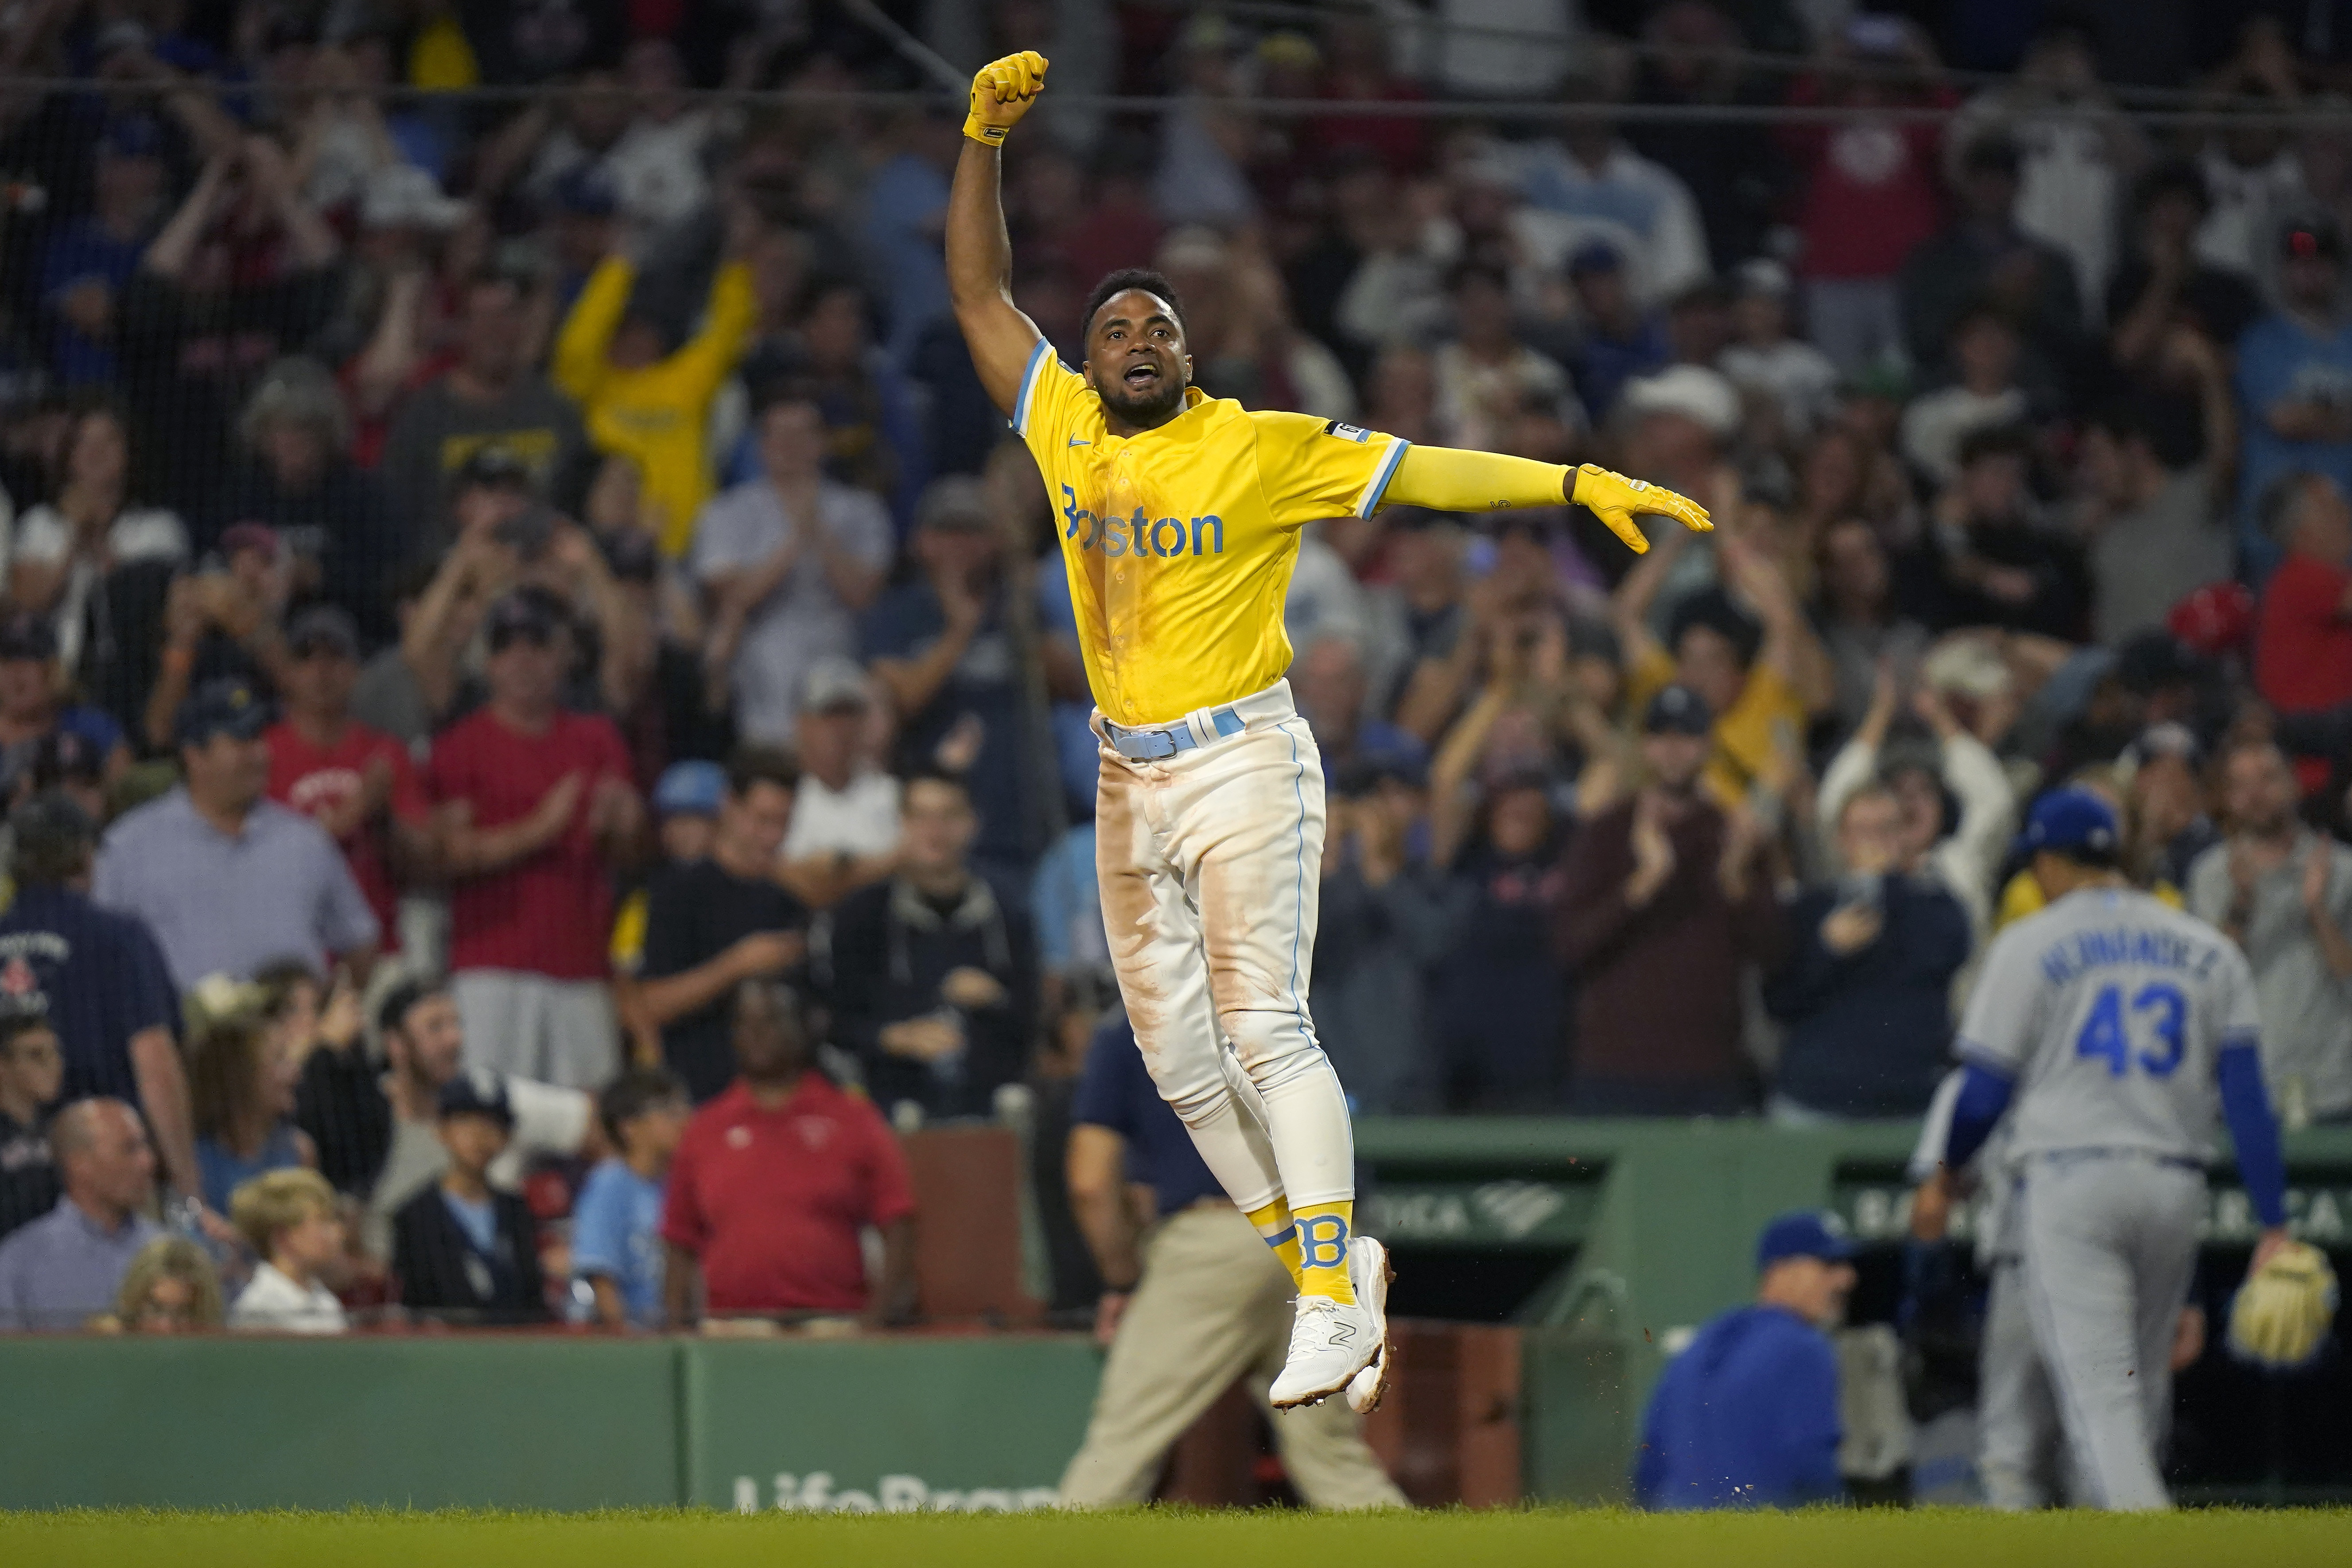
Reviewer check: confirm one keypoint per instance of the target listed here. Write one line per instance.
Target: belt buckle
(1146, 745)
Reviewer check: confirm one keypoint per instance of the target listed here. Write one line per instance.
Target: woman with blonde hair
(170, 1287)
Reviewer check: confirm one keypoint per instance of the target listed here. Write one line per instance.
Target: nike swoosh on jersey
(1079, 441)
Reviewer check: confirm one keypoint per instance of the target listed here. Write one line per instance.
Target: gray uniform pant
(2110, 1244)
(1213, 1305)
(2018, 1435)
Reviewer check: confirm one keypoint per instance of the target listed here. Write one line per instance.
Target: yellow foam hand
(1001, 93)
(1614, 500)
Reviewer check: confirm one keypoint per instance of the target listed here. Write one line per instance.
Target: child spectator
(170, 1287)
(616, 1246)
(291, 1220)
(461, 1248)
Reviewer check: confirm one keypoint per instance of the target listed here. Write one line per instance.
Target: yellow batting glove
(1614, 498)
(1001, 93)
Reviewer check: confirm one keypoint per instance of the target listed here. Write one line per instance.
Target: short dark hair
(16, 1021)
(1120, 282)
(758, 766)
(633, 1093)
(54, 840)
(391, 1012)
(1714, 609)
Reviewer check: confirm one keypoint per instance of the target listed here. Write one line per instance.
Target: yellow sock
(1273, 1223)
(1323, 1231)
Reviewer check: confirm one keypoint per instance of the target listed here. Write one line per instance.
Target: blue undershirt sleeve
(1984, 1095)
(2253, 1131)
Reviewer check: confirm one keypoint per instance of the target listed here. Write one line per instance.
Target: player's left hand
(1616, 500)
(1001, 92)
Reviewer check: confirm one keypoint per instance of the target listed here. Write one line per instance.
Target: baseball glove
(2282, 1312)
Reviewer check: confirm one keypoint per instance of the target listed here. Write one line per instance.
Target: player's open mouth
(1142, 375)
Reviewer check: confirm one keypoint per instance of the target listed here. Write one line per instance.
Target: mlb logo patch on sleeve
(1355, 433)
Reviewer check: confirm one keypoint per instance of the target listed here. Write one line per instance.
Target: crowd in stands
(539, 707)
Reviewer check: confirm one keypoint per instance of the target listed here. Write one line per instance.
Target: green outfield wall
(1649, 1228)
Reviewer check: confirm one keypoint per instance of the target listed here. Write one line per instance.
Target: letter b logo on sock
(1322, 1241)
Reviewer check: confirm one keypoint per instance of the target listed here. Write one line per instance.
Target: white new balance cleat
(1329, 1344)
(1369, 1271)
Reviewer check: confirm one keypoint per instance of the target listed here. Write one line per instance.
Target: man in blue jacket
(1747, 1416)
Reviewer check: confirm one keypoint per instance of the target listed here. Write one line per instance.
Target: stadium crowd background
(516, 602)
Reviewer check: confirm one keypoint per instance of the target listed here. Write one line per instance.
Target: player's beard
(1145, 410)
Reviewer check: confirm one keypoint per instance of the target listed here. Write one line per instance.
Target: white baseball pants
(1211, 862)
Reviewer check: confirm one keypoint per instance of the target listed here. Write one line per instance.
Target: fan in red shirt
(2303, 634)
(356, 782)
(776, 1180)
(533, 808)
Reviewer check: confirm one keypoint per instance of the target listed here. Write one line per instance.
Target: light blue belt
(1152, 742)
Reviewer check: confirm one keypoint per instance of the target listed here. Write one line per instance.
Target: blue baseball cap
(1801, 1234)
(2069, 819)
(690, 789)
(479, 1092)
(1677, 710)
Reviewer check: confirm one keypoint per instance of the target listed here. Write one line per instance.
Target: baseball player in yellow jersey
(1180, 523)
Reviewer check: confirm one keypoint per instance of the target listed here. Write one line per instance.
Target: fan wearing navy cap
(1747, 1415)
(1661, 904)
(462, 1247)
(356, 783)
(227, 878)
(33, 705)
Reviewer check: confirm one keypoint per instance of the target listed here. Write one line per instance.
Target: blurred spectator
(244, 272)
(34, 705)
(873, 429)
(2250, 171)
(1748, 1415)
(63, 1268)
(490, 397)
(713, 923)
(2302, 631)
(356, 783)
(1736, 177)
(1388, 918)
(461, 1248)
(1486, 377)
(2161, 282)
(931, 978)
(1865, 991)
(1333, 692)
(1861, 627)
(95, 564)
(1622, 338)
(788, 561)
(241, 1095)
(616, 1246)
(1871, 186)
(2073, 145)
(534, 806)
(170, 1287)
(105, 988)
(224, 622)
(1755, 674)
(227, 878)
(88, 260)
(845, 831)
(1963, 852)
(2001, 563)
(1239, 329)
(941, 646)
(291, 1220)
(1984, 257)
(906, 209)
(1421, 614)
(31, 1069)
(298, 479)
(1588, 187)
(1985, 395)
(774, 1183)
(1662, 904)
(2283, 894)
(423, 1047)
(2158, 528)
(645, 393)
(339, 1096)
(1765, 361)
(686, 804)
(2294, 381)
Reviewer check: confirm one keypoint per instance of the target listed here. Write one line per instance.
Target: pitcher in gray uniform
(2112, 1030)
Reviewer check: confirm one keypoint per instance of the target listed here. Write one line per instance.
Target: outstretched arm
(1447, 478)
(980, 252)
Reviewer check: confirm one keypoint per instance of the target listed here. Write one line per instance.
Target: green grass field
(1551, 1538)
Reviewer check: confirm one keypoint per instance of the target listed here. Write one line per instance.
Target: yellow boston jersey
(1180, 540)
